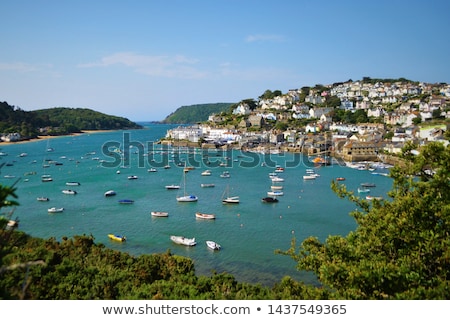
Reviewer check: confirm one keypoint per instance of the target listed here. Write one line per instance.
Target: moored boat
(69, 191)
(363, 190)
(340, 179)
(206, 173)
(126, 201)
(269, 199)
(55, 210)
(43, 199)
(213, 245)
(206, 216)
(72, 183)
(207, 185)
(159, 214)
(368, 185)
(370, 198)
(117, 237)
(183, 240)
(172, 187)
(275, 193)
(110, 193)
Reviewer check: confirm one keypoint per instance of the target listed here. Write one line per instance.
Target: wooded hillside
(197, 112)
(57, 121)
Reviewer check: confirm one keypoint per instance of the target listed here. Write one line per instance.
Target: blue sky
(143, 59)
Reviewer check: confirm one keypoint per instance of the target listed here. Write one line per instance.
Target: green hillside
(57, 121)
(197, 112)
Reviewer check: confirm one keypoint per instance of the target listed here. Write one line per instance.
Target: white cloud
(265, 38)
(177, 66)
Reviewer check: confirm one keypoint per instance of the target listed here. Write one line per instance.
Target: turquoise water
(248, 232)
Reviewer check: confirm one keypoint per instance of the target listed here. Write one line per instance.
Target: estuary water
(249, 232)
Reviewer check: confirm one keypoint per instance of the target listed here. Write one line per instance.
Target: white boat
(43, 199)
(206, 216)
(186, 197)
(225, 174)
(69, 191)
(275, 193)
(274, 187)
(132, 177)
(54, 210)
(363, 190)
(206, 173)
(213, 245)
(172, 187)
(72, 183)
(159, 214)
(183, 240)
(277, 179)
(110, 193)
(309, 177)
(226, 198)
(207, 185)
(370, 198)
(152, 170)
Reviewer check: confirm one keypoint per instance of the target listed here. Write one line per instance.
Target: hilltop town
(365, 120)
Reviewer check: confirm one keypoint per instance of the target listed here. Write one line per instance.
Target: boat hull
(183, 241)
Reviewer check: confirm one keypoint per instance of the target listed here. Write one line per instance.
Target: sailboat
(186, 197)
(226, 198)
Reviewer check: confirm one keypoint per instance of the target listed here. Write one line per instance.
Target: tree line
(57, 121)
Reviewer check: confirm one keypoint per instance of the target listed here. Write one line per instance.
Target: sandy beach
(40, 138)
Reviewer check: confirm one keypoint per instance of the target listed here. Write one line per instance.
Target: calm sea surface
(249, 232)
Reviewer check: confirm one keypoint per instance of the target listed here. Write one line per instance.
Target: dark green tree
(401, 246)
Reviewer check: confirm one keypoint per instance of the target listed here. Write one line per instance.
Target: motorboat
(69, 191)
(132, 177)
(340, 179)
(55, 210)
(117, 237)
(225, 174)
(152, 170)
(72, 183)
(277, 179)
(370, 198)
(110, 193)
(275, 193)
(309, 177)
(207, 185)
(206, 173)
(126, 201)
(183, 240)
(206, 216)
(213, 245)
(43, 199)
(368, 185)
(363, 190)
(159, 214)
(172, 187)
(269, 199)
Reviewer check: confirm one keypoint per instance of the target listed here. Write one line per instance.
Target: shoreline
(42, 138)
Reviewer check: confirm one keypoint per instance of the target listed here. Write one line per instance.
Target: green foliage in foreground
(400, 250)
